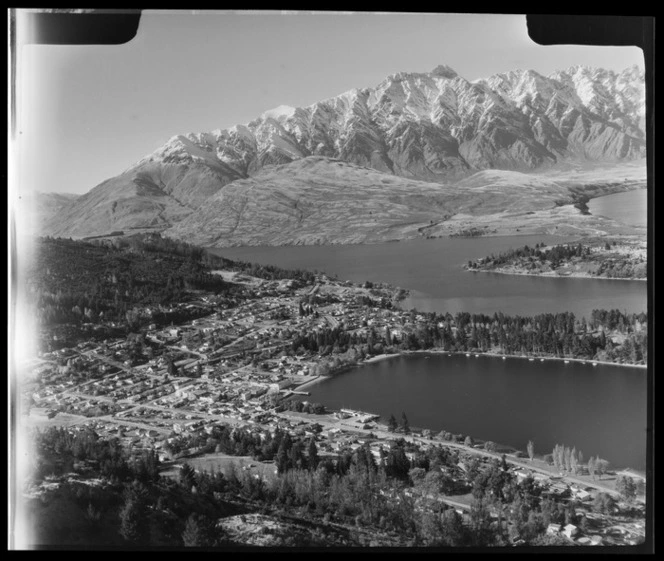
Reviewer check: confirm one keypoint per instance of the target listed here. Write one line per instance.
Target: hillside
(148, 196)
(320, 200)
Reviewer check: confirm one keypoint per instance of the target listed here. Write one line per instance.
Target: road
(384, 434)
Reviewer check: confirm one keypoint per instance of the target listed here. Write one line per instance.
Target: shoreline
(318, 379)
(383, 357)
(535, 358)
(549, 276)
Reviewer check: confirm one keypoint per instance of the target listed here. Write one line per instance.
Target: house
(570, 530)
(553, 529)
(582, 495)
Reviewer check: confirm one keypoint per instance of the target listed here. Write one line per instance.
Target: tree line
(558, 335)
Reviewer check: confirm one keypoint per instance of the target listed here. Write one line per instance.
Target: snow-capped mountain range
(434, 126)
(425, 125)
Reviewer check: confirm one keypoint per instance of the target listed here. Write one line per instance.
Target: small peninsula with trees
(595, 258)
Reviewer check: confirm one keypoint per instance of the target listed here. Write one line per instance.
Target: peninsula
(622, 258)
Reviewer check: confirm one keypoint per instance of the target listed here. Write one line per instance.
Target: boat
(477, 355)
(504, 357)
(467, 354)
(541, 360)
(531, 359)
(594, 364)
(567, 362)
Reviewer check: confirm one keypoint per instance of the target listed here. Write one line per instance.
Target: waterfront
(600, 410)
(433, 272)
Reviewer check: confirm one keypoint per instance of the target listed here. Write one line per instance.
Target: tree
(567, 458)
(591, 467)
(626, 487)
(531, 450)
(133, 521)
(480, 524)
(198, 531)
(601, 466)
(405, 427)
(469, 441)
(282, 457)
(397, 464)
(416, 475)
(312, 453)
(490, 446)
(187, 476)
(392, 423)
(574, 461)
(93, 516)
(452, 532)
(172, 370)
(604, 503)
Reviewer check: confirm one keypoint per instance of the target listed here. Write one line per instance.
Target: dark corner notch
(82, 27)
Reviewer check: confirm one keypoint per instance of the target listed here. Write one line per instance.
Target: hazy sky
(87, 113)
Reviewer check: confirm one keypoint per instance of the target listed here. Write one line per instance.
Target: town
(247, 365)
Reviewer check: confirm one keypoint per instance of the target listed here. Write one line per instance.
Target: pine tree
(133, 521)
(198, 532)
(187, 476)
(312, 452)
(574, 461)
(531, 450)
(392, 423)
(405, 427)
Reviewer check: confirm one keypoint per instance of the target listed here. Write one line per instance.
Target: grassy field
(224, 463)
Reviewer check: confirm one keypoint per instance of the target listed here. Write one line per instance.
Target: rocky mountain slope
(433, 127)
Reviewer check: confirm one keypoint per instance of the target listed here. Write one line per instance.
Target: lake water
(600, 410)
(630, 207)
(433, 271)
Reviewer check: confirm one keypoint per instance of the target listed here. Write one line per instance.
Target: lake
(600, 410)
(630, 207)
(432, 269)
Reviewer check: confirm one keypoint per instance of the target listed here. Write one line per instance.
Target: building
(570, 530)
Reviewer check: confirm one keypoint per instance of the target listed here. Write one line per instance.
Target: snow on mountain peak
(280, 111)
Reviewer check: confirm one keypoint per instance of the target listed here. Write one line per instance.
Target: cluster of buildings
(233, 366)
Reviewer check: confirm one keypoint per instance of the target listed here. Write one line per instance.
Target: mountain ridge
(426, 126)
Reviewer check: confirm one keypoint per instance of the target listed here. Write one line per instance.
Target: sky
(87, 113)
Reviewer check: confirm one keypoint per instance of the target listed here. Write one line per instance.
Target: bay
(630, 207)
(600, 410)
